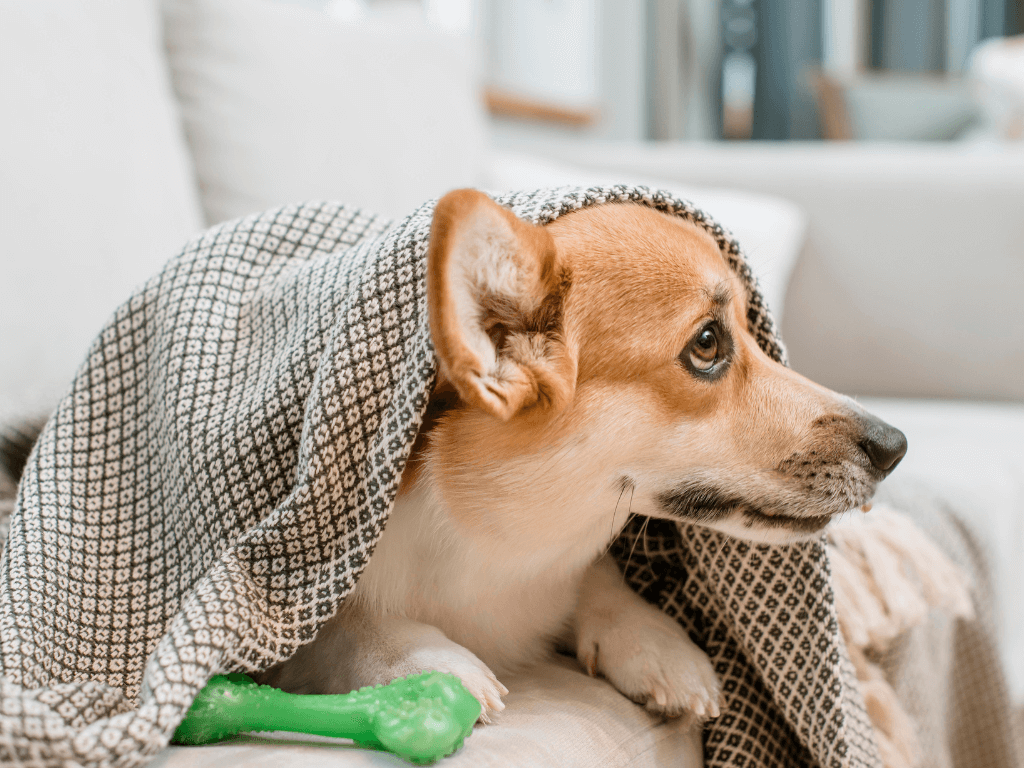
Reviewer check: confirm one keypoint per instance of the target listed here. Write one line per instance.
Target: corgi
(601, 356)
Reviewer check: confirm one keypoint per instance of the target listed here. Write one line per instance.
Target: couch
(131, 125)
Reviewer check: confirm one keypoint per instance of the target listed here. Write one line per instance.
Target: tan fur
(565, 403)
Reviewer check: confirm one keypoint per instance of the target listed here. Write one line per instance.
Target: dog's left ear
(495, 288)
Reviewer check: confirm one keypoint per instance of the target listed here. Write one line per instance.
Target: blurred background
(761, 69)
(736, 69)
(868, 155)
(868, 152)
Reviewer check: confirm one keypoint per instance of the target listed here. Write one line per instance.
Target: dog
(602, 356)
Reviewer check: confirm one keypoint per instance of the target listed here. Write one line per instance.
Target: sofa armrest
(911, 280)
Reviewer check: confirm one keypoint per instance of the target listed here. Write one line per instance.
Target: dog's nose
(884, 444)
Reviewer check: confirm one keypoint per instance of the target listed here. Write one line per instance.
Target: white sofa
(124, 137)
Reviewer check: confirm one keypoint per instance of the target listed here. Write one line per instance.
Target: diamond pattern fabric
(214, 481)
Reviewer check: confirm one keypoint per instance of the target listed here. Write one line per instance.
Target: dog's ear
(495, 288)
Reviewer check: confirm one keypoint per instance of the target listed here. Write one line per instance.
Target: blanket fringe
(888, 574)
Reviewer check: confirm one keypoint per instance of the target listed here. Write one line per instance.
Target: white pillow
(996, 69)
(96, 187)
(770, 230)
(284, 103)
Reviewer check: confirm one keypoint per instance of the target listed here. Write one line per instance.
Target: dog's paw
(432, 650)
(651, 660)
(474, 674)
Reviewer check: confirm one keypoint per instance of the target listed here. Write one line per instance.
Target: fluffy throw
(209, 489)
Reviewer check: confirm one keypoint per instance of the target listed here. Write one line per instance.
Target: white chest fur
(508, 603)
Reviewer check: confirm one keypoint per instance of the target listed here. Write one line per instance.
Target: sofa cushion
(284, 103)
(96, 187)
(555, 716)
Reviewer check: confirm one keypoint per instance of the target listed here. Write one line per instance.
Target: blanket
(211, 486)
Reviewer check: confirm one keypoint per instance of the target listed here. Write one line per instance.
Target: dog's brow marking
(720, 296)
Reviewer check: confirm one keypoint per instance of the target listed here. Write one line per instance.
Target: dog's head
(602, 363)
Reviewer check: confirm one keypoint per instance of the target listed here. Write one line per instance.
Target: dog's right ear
(495, 289)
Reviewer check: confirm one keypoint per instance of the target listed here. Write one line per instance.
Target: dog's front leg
(643, 652)
(358, 647)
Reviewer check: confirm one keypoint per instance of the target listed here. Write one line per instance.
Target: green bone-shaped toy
(420, 717)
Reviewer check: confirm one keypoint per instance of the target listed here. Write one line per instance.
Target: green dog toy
(420, 717)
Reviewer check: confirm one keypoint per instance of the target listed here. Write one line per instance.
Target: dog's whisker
(643, 532)
(615, 511)
(632, 549)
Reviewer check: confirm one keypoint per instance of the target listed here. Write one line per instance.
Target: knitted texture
(212, 485)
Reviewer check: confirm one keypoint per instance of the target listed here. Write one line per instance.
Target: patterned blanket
(214, 481)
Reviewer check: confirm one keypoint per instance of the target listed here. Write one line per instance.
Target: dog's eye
(704, 349)
(707, 349)
(709, 353)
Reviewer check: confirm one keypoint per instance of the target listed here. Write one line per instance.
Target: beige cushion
(555, 716)
(284, 103)
(96, 187)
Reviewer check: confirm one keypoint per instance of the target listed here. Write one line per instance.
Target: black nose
(884, 444)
